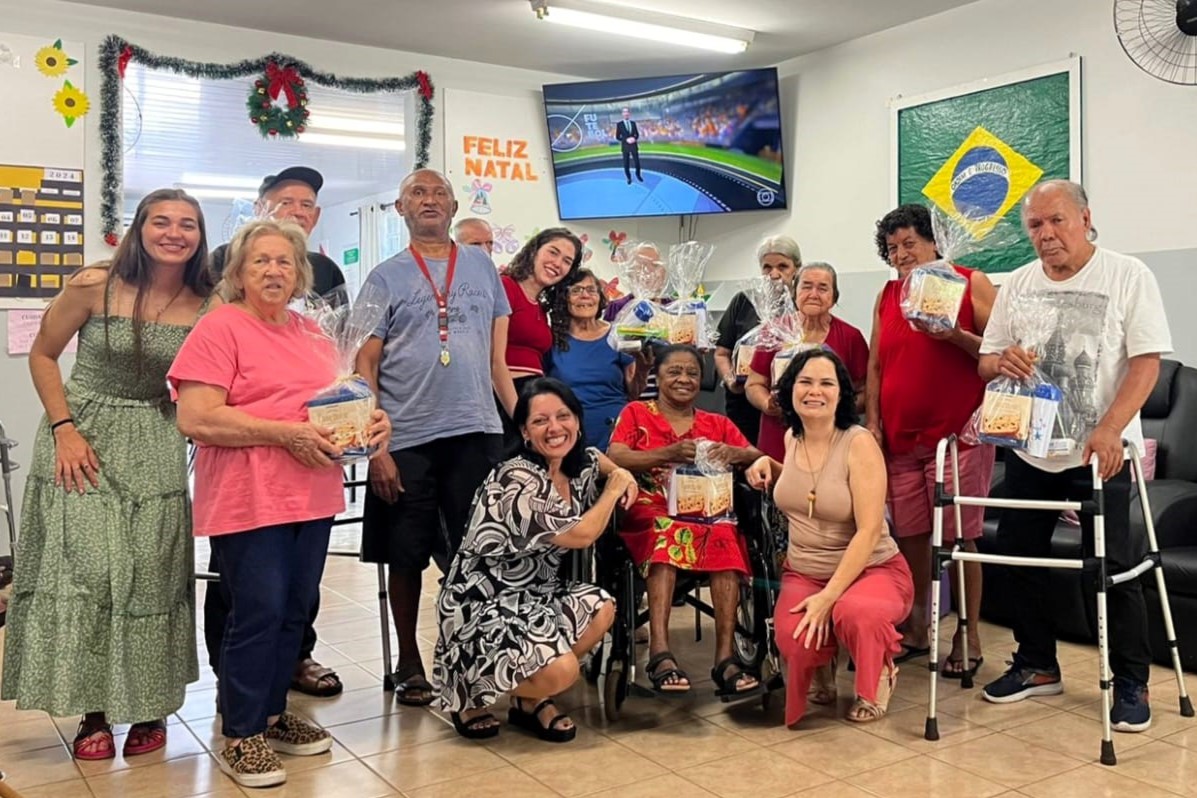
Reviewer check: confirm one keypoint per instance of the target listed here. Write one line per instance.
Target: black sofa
(1170, 417)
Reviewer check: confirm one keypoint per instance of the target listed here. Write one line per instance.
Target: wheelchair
(609, 564)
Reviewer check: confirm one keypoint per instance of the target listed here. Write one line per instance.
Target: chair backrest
(1170, 416)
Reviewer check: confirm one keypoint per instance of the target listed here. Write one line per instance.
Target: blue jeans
(271, 577)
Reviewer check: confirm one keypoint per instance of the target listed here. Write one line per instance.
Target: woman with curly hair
(602, 378)
(549, 258)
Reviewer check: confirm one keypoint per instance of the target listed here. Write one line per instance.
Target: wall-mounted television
(678, 145)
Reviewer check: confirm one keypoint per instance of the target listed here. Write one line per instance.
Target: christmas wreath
(278, 102)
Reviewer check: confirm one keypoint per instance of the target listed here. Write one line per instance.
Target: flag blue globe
(980, 183)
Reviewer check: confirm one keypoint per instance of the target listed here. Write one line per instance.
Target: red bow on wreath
(425, 85)
(123, 61)
(282, 79)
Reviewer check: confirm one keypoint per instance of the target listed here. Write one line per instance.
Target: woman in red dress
(816, 292)
(649, 438)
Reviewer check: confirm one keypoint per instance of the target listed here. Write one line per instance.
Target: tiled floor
(1044, 748)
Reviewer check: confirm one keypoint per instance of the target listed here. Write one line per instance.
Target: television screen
(686, 144)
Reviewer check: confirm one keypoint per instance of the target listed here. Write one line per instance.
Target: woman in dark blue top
(600, 377)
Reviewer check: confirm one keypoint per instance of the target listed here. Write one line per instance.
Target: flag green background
(1030, 116)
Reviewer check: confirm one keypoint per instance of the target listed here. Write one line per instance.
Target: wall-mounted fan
(1160, 36)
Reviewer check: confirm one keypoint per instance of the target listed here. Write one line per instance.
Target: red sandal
(145, 737)
(93, 743)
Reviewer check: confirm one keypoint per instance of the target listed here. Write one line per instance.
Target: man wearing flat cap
(291, 194)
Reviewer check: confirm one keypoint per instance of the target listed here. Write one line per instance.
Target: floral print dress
(504, 612)
(649, 532)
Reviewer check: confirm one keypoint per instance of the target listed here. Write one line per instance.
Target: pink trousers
(863, 622)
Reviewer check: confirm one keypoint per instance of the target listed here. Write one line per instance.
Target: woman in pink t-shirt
(266, 487)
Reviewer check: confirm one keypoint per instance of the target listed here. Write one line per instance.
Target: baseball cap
(302, 174)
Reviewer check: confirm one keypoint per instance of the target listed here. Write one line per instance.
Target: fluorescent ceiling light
(219, 193)
(349, 124)
(361, 142)
(219, 181)
(647, 30)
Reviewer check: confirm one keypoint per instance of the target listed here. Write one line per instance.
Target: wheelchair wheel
(749, 638)
(615, 690)
(593, 666)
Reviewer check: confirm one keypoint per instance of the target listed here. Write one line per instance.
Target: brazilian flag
(977, 155)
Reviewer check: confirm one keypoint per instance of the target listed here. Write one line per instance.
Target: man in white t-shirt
(1092, 321)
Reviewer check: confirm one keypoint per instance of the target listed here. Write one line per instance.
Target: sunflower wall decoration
(71, 102)
(52, 61)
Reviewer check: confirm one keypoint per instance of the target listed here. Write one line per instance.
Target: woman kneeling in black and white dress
(508, 624)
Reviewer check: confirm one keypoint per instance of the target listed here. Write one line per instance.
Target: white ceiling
(506, 32)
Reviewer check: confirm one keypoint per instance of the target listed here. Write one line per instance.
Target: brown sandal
(823, 690)
(864, 711)
(312, 678)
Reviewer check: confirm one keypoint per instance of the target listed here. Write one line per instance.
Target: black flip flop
(976, 663)
(553, 733)
(910, 652)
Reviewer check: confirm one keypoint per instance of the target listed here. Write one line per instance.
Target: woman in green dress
(102, 621)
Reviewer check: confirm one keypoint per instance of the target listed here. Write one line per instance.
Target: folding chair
(7, 466)
(941, 556)
(351, 484)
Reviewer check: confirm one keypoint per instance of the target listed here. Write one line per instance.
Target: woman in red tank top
(531, 283)
(923, 386)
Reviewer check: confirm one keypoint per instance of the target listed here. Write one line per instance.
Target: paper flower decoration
(71, 103)
(52, 61)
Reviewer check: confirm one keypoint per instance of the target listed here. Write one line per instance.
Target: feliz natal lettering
(500, 159)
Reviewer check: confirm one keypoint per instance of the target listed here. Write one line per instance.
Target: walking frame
(942, 555)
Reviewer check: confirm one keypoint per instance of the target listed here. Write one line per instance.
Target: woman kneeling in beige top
(844, 582)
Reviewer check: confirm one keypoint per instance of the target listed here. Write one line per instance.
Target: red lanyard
(441, 297)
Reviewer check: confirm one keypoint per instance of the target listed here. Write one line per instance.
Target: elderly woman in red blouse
(816, 293)
(531, 283)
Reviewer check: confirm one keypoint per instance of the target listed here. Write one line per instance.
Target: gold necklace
(813, 495)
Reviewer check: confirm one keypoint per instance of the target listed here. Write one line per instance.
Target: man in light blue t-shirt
(436, 362)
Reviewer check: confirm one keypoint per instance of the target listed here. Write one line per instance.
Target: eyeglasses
(583, 290)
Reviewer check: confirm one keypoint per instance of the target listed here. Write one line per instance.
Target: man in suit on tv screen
(629, 141)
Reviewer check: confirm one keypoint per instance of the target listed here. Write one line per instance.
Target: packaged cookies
(932, 295)
(347, 405)
(699, 496)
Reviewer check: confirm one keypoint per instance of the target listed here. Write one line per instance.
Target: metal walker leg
(942, 556)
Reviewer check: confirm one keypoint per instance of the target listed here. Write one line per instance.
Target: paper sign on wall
(22, 329)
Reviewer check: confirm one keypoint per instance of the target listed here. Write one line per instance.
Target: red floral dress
(651, 535)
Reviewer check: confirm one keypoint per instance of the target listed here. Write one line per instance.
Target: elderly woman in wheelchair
(650, 439)
(844, 582)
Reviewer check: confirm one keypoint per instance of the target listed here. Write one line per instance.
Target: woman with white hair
(267, 486)
(779, 259)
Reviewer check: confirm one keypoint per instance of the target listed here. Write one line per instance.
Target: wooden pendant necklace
(813, 495)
